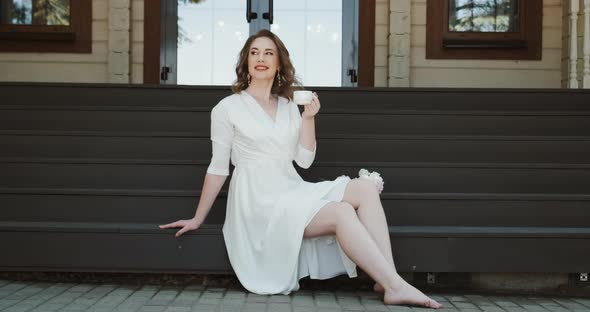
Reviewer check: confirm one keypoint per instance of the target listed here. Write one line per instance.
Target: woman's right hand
(185, 225)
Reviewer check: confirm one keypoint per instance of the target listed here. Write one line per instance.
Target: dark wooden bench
(476, 180)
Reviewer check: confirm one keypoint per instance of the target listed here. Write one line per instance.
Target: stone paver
(18, 296)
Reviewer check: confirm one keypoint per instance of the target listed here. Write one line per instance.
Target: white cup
(302, 97)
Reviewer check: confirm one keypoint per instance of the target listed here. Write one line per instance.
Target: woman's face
(263, 59)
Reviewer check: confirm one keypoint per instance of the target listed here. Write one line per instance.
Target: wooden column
(574, 9)
(586, 79)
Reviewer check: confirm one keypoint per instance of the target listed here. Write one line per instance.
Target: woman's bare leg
(363, 196)
(340, 218)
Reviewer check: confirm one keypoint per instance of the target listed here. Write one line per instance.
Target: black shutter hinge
(353, 75)
(164, 73)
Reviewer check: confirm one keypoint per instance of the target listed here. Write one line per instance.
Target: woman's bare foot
(378, 288)
(404, 293)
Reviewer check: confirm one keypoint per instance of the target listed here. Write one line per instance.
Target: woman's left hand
(312, 109)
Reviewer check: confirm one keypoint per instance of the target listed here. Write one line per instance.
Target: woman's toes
(433, 304)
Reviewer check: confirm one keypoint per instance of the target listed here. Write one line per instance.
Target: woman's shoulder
(227, 102)
(232, 98)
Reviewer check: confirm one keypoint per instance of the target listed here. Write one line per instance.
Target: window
(45, 26)
(484, 29)
(158, 24)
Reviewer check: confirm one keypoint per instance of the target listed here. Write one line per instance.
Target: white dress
(269, 204)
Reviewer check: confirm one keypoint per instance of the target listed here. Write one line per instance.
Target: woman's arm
(307, 133)
(217, 172)
(307, 145)
(211, 188)
(307, 130)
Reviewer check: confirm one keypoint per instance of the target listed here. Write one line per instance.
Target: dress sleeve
(303, 157)
(222, 134)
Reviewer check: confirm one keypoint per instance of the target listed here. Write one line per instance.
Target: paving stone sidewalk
(45, 297)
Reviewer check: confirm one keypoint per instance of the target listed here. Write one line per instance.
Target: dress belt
(263, 160)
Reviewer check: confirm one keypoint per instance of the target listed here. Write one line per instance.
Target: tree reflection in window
(183, 37)
(484, 15)
(35, 12)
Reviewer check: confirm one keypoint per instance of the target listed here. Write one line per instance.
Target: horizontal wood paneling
(135, 250)
(90, 170)
(403, 179)
(401, 209)
(527, 152)
(197, 123)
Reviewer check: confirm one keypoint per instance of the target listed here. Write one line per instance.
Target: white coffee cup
(302, 97)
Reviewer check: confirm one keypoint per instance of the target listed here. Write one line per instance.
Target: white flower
(373, 176)
(363, 172)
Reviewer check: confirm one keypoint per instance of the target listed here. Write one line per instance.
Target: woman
(278, 227)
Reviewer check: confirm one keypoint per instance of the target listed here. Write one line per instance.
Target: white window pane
(323, 51)
(230, 34)
(229, 4)
(203, 4)
(288, 5)
(314, 40)
(194, 46)
(290, 27)
(209, 43)
(335, 5)
(211, 34)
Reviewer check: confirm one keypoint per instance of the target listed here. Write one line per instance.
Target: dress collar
(252, 100)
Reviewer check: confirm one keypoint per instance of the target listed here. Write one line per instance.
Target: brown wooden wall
(476, 180)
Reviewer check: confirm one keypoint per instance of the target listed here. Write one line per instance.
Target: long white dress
(269, 204)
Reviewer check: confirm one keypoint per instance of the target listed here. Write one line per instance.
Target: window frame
(75, 38)
(153, 32)
(526, 44)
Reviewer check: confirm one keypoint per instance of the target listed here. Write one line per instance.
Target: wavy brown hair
(289, 82)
